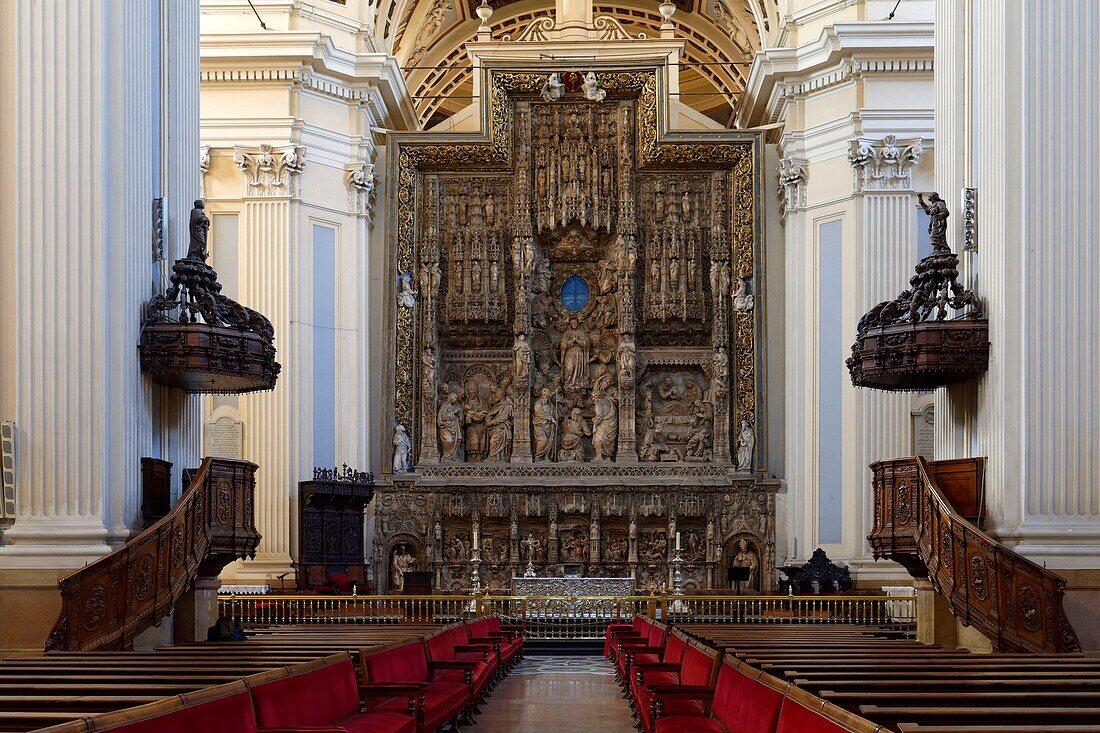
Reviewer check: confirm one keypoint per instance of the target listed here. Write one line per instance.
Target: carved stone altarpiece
(577, 380)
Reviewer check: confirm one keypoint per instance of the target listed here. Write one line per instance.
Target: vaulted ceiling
(428, 37)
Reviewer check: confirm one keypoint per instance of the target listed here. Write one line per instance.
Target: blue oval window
(574, 294)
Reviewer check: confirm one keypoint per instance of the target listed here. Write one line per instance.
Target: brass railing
(570, 617)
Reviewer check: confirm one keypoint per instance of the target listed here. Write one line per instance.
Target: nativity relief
(575, 317)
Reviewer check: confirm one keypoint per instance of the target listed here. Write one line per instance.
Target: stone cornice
(314, 62)
(843, 52)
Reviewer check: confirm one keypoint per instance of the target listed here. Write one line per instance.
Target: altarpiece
(576, 333)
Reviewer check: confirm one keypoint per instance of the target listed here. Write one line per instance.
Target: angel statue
(553, 89)
(591, 87)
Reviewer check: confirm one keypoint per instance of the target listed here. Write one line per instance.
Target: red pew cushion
(688, 724)
(320, 697)
(232, 714)
(381, 723)
(796, 718)
(443, 700)
(744, 704)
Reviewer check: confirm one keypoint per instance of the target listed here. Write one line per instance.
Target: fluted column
(75, 268)
(882, 172)
(267, 284)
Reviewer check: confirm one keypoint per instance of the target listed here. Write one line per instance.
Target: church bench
(982, 698)
(965, 715)
(396, 668)
(664, 687)
(626, 647)
(658, 668)
(955, 728)
(636, 627)
(475, 666)
(323, 694)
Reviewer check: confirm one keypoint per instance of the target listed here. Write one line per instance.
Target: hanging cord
(262, 24)
(891, 15)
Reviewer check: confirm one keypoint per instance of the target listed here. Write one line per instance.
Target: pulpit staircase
(109, 602)
(927, 516)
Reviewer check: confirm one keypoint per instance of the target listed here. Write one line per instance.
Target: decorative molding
(608, 28)
(884, 165)
(269, 170)
(792, 184)
(537, 30)
(362, 184)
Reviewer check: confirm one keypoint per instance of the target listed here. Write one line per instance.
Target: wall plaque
(225, 437)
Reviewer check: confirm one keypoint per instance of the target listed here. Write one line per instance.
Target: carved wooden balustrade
(108, 602)
(1014, 602)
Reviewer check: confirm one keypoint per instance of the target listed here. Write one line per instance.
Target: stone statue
(698, 442)
(427, 371)
(401, 563)
(573, 432)
(742, 297)
(544, 423)
(575, 354)
(721, 372)
(626, 361)
(653, 443)
(199, 226)
(513, 530)
(402, 449)
(499, 422)
(710, 540)
(490, 209)
(522, 354)
(476, 431)
(632, 538)
(406, 295)
(937, 212)
(746, 441)
(553, 89)
(605, 426)
(747, 558)
(450, 421)
(591, 87)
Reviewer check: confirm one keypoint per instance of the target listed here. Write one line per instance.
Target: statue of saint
(544, 422)
(937, 212)
(401, 563)
(427, 371)
(575, 354)
(499, 422)
(746, 558)
(573, 432)
(721, 372)
(746, 441)
(199, 226)
(476, 430)
(406, 294)
(522, 353)
(605, 426)
(698, 442)
(402, 449)
(449, 420)
(653, 443)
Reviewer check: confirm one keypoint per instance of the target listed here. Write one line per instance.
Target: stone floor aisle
(557, 694)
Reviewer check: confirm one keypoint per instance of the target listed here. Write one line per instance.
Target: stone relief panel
(675, 415)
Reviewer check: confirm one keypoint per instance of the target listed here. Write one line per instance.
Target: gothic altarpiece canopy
(576, 339)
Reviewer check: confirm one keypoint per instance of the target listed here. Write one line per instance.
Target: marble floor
(552, 694)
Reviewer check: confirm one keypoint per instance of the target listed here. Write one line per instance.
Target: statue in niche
(632, 539)
(742, 297)
(746, 441)
(542, 276)
(406, 295)
(199, 228)
(575, 350)
(544, 421)
(499, 422)
(402, 449)
(522, 355)
(450, 421)
(937, 212)
(608, 277)
(721, 372)
(476, 431)
(531, 548)
(573, 432)
(746, 557)
(605, 426)
(490, 209)
(475, 276)
(513, 531)
(494, 277)
(626, 360)
(401, 562)
(427, 368)
(710, 539)
(653, 443)
(698, 443)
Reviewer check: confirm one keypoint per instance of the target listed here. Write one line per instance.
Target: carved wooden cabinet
(330, 530)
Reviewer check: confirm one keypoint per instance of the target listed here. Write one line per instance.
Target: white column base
(264, 569)
(57, 543)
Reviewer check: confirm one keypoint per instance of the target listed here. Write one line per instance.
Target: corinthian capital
(271, 171)
(883, 165)
(792, 184)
